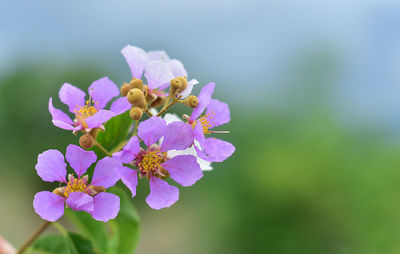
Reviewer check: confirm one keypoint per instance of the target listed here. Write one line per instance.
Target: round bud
(136, 98)
(184, 84)
(159, 102)
(136, 113)
(136, 83)
(86, 141)
(176, 84)
(191, 101)
(124, 89)
(150, 97)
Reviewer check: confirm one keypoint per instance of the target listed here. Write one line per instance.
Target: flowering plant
(133, 139)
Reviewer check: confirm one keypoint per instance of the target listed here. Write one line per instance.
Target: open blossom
(217, 113)
(77, 194)
(88, 114)
(154, 162)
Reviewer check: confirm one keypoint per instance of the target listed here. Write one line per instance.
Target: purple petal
(102, 91)
(157, 74)
(48, 205)
(189, 88)
(198, 134)
(58, 115)
(80, 201)
(161, 194)
(128, 177)
(184, 169)
(79, 159)
(51, 166)
(217, 113)
(158, 55)
(99, 118)
(129, 152)
(215, 150)
(72, 96)
(177, 68)
(204, 98)
(104, 173)
(151, 130)
(137, 60)
(178, 136)
(106, 206)
(120, 106)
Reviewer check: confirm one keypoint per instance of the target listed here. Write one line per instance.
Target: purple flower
(217, 113)
(154, 163)
(77, 194)
(88, 114)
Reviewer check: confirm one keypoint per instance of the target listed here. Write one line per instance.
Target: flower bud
(176, 84)
(136, 113)
(191, 101)
(124, 89)
(184, 84)
(150, 97)
(159, 101)
(86, 141)
(136, 83)
(136, 98)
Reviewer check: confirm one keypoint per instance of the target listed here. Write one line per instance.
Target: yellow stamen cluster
(151, 161)
(74, 185)
(83, 112)
(205, 124)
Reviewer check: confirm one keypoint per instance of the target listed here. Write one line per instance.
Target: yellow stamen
(74, 185)
(205, 124)
(151, 161)
(83, 112)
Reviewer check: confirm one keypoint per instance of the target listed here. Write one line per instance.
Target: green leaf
(82, 244)
(125, 226)
(116, 131)
(94, 230)
(69, 243)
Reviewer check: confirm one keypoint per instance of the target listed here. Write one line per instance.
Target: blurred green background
(317, 164)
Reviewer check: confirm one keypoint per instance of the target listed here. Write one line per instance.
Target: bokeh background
(314, 93)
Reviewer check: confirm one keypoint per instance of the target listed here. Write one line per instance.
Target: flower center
(73, 186)
(150, 161)
(205, 124)
(83, 112)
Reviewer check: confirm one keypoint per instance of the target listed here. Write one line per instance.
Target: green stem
(35, 235)
(102, 148)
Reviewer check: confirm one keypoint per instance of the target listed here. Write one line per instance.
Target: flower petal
(102, 91)
(120, 105)
(178, 136)
(170, 118)
(57, 114)
(79, 159)
(177, 68)
(158, 55)
(129, 152)
(215, 150)
(51, 166)
(198, 134)
(184, 169)
(106, 206)
(204, 165)
(157, 74)
(136, 58)
(189, 88)
(161, 194)
(217, 113)
(151, 130)
(128, 177)
(72, 96)
(104, 173)
(80, 201)
(48, 205)
(204, 98)
(99, 118)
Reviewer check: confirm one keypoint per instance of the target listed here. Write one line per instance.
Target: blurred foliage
(299, 181)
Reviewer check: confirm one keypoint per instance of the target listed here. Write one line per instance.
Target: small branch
(35, 235)
(102, 149)
(166, 107)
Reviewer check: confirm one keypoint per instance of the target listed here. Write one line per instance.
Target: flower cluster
(159, 147)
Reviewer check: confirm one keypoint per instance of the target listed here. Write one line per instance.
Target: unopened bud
(136, 113)
(124, 89)
(86, 141)
(136, 83)
(176, 84)
(136, 98)
(151, 97)
(191, 101)
(159, 101)
(59, 191)
(184, 84)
